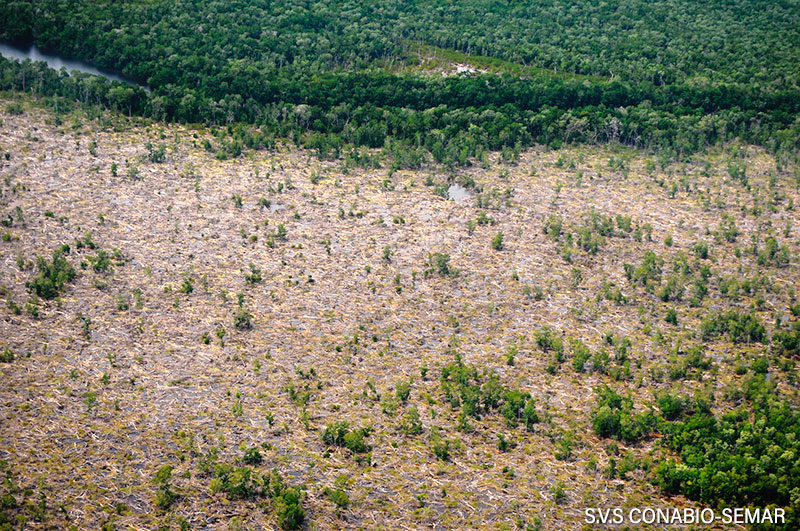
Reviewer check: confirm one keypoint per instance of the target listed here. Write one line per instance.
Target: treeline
(342, 74)
(453, 118)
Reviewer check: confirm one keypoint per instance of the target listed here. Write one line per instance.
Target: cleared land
(139, 363)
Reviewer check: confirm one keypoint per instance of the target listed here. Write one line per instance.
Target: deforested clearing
(223, 318)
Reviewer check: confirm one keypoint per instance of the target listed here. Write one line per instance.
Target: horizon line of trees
(453, 118)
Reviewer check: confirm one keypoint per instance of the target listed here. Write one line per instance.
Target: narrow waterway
(57, 62)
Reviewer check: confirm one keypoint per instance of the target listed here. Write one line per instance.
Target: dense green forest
(661, 42)
(669, 75)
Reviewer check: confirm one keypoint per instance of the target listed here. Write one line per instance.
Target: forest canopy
(669, 75)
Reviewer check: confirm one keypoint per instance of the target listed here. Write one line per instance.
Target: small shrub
(558, 493)
(411, 424)
(403, 390)
(165, 497)
(773, 254)
(671, 406)
(243, 320)
(671, 317)
(553, 227)
(354, 441)
(503, 444)
(237, 482)
(7, 356)
(254, 276)
(101, 263)
(441, 448)
(701, 250)
(548, 340)
(156, 153)
(187, 286)
(338, 497)
(339, 434)
(439, 263)
(787, 341)
(52, 276)
(122, 302)
(529, 414)
(334, 433)
(497, 241)
(86, 242)
(252, 456)
(580, 355)
(648, 270)
(288, 509)
(14, 108)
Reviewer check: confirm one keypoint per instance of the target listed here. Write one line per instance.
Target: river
(57, 62)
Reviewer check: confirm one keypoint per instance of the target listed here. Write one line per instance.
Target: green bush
(580, 355)
(254, 276)
(411, 424)
(701, 250)
(497, 241)
(671, 406)
(237, 482)
(529, 414)
(252, 456)
(289, 510)
(86, 242)
(439, 264)
(605, 421)
(101, 263)
(334, 433)
(440, 448)
(354, 441)
(403, 390)
(339, 434)
(187, 286)
(648, 271)
(156, 153)
(7, 355)
(338, 497)
(14, 108)
(740, 327)
(243, 320)
(773, 254)
(286, 500)
(548, 340)
(165, 497)
(786, 341)
(514, 406)
(614, 417)
(553, 227)
(52, 276)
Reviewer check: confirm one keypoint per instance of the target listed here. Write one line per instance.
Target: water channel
(58, 62)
